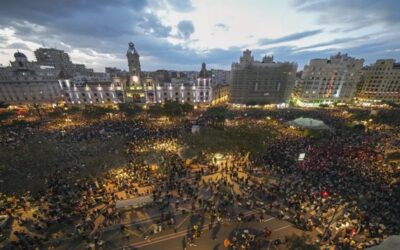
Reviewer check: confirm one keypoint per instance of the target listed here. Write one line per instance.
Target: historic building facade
(380, 81)
(333, 79)
(265, 82)
(26, 82)
(60, 60)
(78, 92)
(135, 91)
(199, 92)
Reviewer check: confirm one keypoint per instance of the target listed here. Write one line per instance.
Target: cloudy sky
(181, 34)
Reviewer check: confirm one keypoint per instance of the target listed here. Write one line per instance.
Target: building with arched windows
(163, 89)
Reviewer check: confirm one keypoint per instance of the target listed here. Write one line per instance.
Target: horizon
(175, 35)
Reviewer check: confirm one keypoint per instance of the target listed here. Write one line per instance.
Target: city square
(163, 186)
(199, 124)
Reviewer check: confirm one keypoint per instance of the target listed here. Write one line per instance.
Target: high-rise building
(26, 82)
(265, 82)
(333, 79)
(380, 81)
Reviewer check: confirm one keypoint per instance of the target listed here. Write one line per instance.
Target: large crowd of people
(343, 189)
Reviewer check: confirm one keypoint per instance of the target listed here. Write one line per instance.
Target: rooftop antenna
(41, 41)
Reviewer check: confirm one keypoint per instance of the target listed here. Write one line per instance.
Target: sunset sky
(177, 34)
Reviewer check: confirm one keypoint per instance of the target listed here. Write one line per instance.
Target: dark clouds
(106, 26)
(291, 37)
(185, 29)
(181, 5)
(354, 13)
(102, 25)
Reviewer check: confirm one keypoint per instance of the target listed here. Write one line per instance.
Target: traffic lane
(279, 228)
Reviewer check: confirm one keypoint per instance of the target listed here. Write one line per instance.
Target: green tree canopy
(156, 110)
(173, 109)
(130, 109)
(217, 115)
(93, 112)
(4, 105)
(5, 115)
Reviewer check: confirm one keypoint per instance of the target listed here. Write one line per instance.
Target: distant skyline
(181, 34)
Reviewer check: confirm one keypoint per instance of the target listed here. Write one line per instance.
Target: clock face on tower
(131, 45)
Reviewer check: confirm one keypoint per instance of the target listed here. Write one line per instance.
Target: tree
(56, 112)
(217, 115)
(129, 109)
(5, 115)
(4, 105)
(38, 109)
(187, 107)
(156, 110)
(94, 112)
(297, 242)
(173, 108)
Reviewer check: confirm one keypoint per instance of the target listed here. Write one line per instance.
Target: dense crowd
(344, 189)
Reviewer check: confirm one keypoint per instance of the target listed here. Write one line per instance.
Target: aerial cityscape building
(380, 81)
(340, 78)
(26, 82)
(265, 82)
(333, 79)
(199, 125)
(60, 60)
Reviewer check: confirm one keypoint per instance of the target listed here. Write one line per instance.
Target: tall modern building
(265, 82)
(333, 79)
(380, 81)
(26, 82)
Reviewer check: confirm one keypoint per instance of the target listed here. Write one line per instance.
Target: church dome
(19, 55)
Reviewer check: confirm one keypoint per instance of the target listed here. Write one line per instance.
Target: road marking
(272, 218)
(172, 235)
(281, 228)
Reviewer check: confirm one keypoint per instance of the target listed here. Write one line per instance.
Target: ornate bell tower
(135, 91)
(133, 64)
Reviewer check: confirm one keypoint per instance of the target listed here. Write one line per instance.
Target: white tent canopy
(308, 123)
